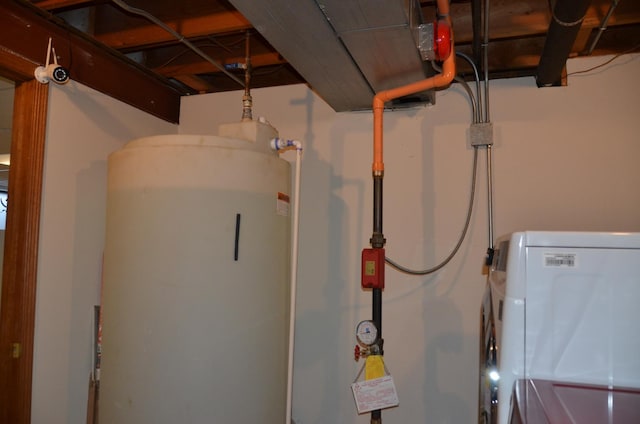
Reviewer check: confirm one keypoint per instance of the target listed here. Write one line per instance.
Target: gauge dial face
(366, 333)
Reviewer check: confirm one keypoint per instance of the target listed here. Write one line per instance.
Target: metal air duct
(567, 16)
(347, 51)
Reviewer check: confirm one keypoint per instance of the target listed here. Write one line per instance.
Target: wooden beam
(15, 67)
(508, 19)
(582, 41)
(197, 84)
(150, 35)
(626, 13)
(269, 76)
(508, 54)
(204, 67)
(515, 19)
(618, 39)
(89, 63)
(59, 4)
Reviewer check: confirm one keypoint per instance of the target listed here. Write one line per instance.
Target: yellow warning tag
(374, 367)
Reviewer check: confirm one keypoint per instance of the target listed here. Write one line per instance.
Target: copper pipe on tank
(247, 102)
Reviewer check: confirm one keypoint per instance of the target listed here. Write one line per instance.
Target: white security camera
(52, 72)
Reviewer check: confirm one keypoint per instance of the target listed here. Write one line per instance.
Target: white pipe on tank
(280, 144)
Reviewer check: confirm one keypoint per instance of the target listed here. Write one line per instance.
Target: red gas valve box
(373, 268)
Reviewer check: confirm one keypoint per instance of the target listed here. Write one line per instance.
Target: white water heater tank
(196, 281)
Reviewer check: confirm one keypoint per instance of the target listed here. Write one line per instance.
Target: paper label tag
(560, 260)
(378, 393)
(282, 204)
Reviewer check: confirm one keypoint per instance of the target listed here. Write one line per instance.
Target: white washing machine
(559, 306)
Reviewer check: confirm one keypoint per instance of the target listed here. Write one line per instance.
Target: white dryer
(559, 306)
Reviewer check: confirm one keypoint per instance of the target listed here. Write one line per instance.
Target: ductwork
(565, 23)
(346, 50)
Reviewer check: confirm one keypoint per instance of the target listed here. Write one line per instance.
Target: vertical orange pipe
(440, 80)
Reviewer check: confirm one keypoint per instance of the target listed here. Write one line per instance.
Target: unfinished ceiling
(345, 50)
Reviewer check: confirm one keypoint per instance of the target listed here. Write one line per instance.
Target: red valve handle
(356, 352)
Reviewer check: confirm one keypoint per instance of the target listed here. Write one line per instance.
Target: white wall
(83, 127)
(565, 158)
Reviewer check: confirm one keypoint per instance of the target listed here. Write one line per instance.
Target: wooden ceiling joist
(509, 19)
(204, 67)
(197, 84)
(89, 63)
(518, 29)
(60, 4)
(152, 35)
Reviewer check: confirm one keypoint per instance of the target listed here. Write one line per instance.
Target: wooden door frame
(28, 29)
(19, 275)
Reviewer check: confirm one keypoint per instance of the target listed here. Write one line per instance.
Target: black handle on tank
(237, 243)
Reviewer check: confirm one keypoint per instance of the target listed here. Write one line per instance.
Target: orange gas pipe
(440, 80)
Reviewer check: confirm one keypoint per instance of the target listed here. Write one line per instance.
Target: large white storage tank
(196, 280)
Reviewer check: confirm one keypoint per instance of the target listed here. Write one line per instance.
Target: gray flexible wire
(476, 74)
(472, 98)
(477, 81)
(178, 37)
(462, 236)
(476, 118)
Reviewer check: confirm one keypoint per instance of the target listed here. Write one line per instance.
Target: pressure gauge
(366, 333)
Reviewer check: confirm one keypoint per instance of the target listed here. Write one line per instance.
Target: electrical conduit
(487, 119)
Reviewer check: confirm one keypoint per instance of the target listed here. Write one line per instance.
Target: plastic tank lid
(187, 140)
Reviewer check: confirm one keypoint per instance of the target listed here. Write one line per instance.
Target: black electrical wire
(462, 236)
